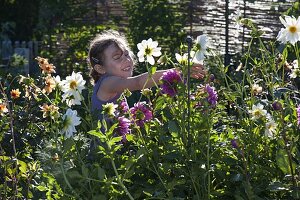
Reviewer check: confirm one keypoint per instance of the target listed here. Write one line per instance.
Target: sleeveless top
(96, 102)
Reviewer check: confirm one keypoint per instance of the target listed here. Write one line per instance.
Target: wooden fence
(29, 50)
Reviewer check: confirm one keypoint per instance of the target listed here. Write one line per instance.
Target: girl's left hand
(198, 71)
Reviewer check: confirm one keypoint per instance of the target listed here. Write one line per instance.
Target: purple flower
(298, 115)
(212, 95)
(234, 143)
(124, 106)
(123, 127)
(277, 105)
(141, 113)
(170, 79)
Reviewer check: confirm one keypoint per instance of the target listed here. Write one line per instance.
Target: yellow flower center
(148, 51)
(257, 113)
(73, 85)
(293, 29)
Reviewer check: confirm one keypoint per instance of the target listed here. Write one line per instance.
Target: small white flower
(148, 49)
(201, 43)
(271, 128)
(70, 121)
(183, 59)
(257, 111)
(109, 109)
(237, 18)
(72, 99)
(72, 87)
(295, 71)
(291, 32)
(73, 83)
(58, 81)
(256, 89)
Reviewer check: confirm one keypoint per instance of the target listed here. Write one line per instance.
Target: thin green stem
(119, 180)
(208, 161)
(66, 179)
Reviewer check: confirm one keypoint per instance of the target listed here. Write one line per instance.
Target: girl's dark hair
(99, 44)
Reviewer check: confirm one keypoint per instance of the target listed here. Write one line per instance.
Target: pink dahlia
(170, 79)
(124, 106)
(141, 113)
(212, 95)
(123, 127)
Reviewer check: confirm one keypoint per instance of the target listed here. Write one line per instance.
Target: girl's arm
(115, 84)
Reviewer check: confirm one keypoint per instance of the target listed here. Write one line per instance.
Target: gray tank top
(96, 102)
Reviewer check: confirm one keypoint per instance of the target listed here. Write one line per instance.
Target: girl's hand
(198, 71)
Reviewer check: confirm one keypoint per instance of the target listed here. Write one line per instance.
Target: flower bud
(234, 143)
(276, 105)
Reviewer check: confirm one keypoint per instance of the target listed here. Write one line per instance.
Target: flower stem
(119, 180)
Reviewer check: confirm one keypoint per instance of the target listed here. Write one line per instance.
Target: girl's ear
(100, 69)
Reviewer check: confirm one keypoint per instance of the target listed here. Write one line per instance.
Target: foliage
(72, 43)
(24, 14)
(158, 19)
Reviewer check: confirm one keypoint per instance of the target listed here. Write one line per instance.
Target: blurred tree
(160, 20)
(22, 13)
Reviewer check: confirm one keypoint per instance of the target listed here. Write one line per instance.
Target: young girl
(112, 63)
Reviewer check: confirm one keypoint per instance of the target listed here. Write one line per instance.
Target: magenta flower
(277, 105)
(212, 95)
(170, 79)
(141, 113)
(124, 106)
(298, 115)
(123, 127)
(234, 143)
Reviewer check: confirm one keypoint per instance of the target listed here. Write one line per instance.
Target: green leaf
(101, 173)
(41, 188)
(115, 140)
(173, 128)
(109, 133)
(22, 166)
(98, 134)
(84, 171)
(153, 70)
(282, 161)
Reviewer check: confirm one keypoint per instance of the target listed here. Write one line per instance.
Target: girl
(112, 63)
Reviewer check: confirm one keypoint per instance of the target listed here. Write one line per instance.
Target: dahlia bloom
(124, 106)
(170, 79)
(258, 111)
(212, 95)
(148, 49)
(70, 120)
(123, 127)
(141, 113)
(201, 44)
(291, 32)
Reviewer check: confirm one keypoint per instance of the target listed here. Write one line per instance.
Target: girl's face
(117, 61)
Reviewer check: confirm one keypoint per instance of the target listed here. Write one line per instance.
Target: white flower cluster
(259, 112)
(72, 88)
(148, 49)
